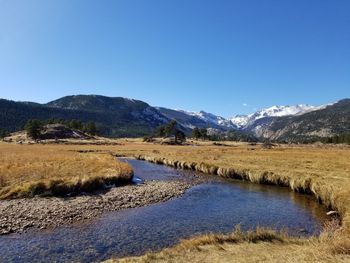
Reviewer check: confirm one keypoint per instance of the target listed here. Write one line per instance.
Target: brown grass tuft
(261, 245)
(237, 236)
(30, 170)
(334, 239)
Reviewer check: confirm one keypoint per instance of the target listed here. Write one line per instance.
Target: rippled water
(216, 206)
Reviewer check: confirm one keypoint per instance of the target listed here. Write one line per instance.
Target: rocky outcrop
(60, 131)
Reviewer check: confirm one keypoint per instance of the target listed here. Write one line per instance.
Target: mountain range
(122, 117)
(242, 121)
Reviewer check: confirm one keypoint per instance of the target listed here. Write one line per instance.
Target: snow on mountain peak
(278, 111)
(209, 117)
(242, 121)
(274, 111)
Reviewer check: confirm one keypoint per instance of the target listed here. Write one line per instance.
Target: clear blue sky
(213, 55)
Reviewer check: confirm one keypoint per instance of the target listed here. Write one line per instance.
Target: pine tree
(204, 133)
(3, 134)
(170, 129)
(33, 128)
(75, 124)
(91, 128)
(196, 133)
(161, 131)
(180, 136)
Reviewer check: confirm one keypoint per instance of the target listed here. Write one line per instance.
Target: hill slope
(115, 117)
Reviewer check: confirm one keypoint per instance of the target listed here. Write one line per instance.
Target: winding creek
(216, 205)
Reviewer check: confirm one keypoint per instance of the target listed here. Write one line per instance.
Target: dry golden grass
(27, 170)
(272, 252)
(323, 171)
(262, 245)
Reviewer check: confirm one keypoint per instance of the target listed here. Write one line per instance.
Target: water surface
(215, 206)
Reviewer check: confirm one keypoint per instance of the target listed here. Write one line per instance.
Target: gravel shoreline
(20, 215)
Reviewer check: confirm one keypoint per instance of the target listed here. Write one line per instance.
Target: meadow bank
(31, 170)
(323, 171)
(45, 186)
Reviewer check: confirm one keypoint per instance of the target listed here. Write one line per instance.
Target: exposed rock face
(59, 131)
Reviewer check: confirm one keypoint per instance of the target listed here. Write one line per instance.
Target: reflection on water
(216, 206)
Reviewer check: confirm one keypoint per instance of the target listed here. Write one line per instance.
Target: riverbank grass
(320, 170)
(323, 171)
(261, 245)
(30, 170)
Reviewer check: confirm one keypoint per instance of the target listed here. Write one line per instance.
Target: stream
(215, 205)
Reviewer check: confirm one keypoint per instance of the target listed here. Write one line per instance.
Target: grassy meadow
(29, 170)
(323, 171)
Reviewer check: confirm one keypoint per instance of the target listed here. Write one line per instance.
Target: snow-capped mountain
(241, 121)
(251, 122)
(121, 117)
(210, 118)
(202, 119)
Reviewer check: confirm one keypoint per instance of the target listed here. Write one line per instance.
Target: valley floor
(323, 171)
(320, 170)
